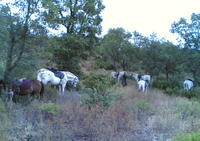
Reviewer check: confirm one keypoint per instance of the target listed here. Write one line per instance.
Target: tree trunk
(9, 58)
(124, 65)
(10, 62)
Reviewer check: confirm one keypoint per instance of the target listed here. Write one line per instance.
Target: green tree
(77, 16)
(191, 62)
(3, 37)
(190, 35)
(19, 29)
(170, 59)
(188, 31)
(140, 41)
(82, 21)
(67, 52)
(161, 57)
(116, 48)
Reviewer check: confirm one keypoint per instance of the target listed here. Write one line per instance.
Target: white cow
(188, 84)
(143, 85)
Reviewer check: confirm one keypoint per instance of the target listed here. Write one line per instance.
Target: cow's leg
(60, 89)
(63, 88)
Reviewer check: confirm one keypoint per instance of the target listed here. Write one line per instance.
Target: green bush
(189, 137)
(169, 86)
(172, 91)
(193, 93)
(98, 93)
(99, 63)
(187, 109)
(50, 108)
(101, 100)
(142, 106)
(98, 82)
(3, 108)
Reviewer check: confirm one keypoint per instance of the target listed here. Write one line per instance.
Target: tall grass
(195, 136)
(132, 116)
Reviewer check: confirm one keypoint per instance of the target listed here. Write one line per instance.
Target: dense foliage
(26, 41)
(26, 46)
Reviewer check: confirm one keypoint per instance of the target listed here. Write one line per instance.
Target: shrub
(103, 101)
(187, 109)
(3, 108)
(97, 82)
(195, 136)
(50, 108)
(172, 91)
(193, 93)
(142, 106)
(169, 86)
(100, 63)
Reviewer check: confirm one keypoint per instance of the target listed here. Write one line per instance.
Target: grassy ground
(134, 116)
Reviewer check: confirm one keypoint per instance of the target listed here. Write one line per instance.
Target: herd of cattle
(35, 87)
(144, 81)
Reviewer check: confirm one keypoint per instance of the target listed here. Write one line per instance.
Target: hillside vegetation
(121, 113)
(99, 109)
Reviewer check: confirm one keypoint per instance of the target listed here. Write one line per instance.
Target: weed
(104, 100)
(195, 136)
(50, 108)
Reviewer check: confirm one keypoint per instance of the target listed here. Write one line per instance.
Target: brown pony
(24, 87)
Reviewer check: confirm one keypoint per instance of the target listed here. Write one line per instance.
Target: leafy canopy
(188, 31)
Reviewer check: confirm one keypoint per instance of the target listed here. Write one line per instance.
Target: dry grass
(135, 116)
(160, 118)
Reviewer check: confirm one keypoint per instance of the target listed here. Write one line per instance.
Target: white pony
(188, 84)
(143, 85)
(46, 76)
